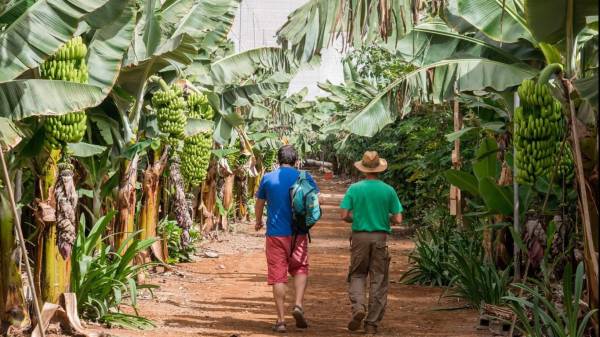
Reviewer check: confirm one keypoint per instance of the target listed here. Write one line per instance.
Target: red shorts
(279, 261)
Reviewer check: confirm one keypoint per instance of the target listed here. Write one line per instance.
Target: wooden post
(455, 193)
(516, 211)
(21, 239)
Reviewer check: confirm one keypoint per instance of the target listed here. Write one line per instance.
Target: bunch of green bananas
(170, 109)
(242, 159)
(237, 159)
(233, 157)
(195, 157)
(565, 168)
(198, 106)
(269, 159)
(68, 64)
(68, 128)
(539, 131)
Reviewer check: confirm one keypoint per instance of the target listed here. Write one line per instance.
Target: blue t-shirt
(275, 189)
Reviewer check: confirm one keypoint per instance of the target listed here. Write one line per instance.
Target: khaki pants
(370, 257)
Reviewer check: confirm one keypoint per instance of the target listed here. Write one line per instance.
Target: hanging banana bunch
(68, 64)
(539, 131)
(269, 159)
(170, 108)
(66, 198)
(198, 106)
(195, 156)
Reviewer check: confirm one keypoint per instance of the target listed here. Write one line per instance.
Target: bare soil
(228, 296)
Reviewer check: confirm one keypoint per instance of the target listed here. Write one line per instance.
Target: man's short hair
(287, 155)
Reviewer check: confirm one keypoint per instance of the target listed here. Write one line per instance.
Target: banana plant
(491, 27)
(32, 32)
(244, 79)
(316, 24)
(167, 36)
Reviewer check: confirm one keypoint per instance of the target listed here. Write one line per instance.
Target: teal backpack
(306, 210)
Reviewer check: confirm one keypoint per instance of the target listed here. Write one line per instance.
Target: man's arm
(259, 206)
(396, 218)
(346, 215)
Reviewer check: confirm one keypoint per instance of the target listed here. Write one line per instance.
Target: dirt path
(228, 296)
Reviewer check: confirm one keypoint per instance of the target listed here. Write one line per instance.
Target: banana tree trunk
(241, 195)
(209, 198)
(150, 200)
(227, 200)
(502, 254)
(127, 201)
(12, 303)
(53, 277)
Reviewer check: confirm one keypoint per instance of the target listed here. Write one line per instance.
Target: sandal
(298, 314)
(280, 327)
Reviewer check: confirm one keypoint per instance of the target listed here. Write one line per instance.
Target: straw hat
(371, 163)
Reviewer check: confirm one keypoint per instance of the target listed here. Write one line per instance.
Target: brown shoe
(370, 329)
(356, 321)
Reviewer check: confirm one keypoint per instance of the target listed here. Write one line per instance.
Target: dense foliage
(102, 100)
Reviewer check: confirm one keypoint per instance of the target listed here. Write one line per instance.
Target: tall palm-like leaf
(239, 96)
(500, 20)
(245, 79)
(237, 67)
(468, 74)
(552, 31)
(25, 98)
(198, 18)
(169, 34)
(446, 60)
(108, 47)
(316, 24)
(39, 32)
(10, 135)
(435, 41)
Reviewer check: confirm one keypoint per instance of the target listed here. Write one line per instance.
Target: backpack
(306, 210)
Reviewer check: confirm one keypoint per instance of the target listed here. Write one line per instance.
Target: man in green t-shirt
(370, 205)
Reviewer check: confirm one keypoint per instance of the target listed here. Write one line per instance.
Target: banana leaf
(39, 32)
(313, 26)
(468, 74)
(546, 19)
(10, 135)
(240, 66)
(463, 180)
(26, 98)
(500, 20)
(485, 164)
(108, 46)
(84, 150)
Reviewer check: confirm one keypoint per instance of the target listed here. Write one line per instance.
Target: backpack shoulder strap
(302, 174)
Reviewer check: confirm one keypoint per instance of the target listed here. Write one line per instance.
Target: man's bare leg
(300, 282)
(279, 296)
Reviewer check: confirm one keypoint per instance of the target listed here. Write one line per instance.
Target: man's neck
(285, 165)
(371, 176)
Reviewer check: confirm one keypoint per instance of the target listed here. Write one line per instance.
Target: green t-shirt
(371, 203)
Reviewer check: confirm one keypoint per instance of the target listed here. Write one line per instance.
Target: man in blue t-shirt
(274, 191)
